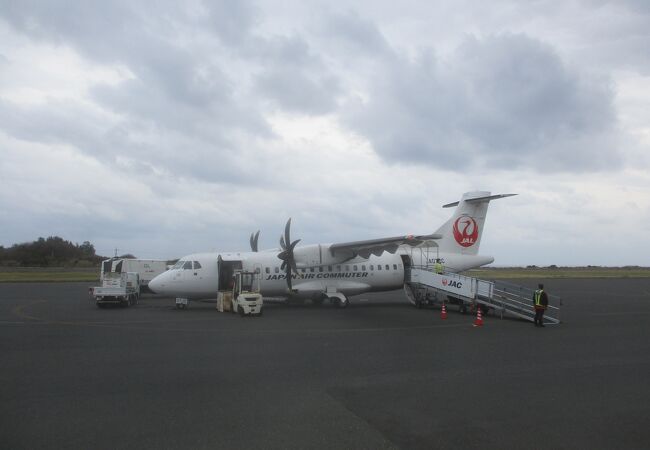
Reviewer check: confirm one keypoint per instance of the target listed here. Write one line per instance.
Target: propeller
(286, 255)
(254, 237)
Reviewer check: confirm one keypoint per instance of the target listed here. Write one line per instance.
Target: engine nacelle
(317, 255)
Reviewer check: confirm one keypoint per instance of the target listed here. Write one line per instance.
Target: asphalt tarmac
(379, 374)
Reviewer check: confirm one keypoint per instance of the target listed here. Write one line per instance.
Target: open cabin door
(406, 260)
(226, 270)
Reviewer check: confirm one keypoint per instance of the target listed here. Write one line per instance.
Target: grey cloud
(281, 51)
(298, 91)
(504, 101)
(355, 33)
(231, 20)
(179, 111)
(286, 71)
(101, 30)
(60, 122)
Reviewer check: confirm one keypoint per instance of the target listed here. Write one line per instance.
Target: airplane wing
(378, 246)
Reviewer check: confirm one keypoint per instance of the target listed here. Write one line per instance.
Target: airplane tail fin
(463, 231)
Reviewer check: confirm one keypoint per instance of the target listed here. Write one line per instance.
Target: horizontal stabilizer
(479, 199)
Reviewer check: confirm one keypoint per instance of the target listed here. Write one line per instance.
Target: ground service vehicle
(117, 288)
(148, 269)
(246, 297)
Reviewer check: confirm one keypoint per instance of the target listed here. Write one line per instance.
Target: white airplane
(336, 271)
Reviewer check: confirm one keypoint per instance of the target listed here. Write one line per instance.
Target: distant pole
(116, 252)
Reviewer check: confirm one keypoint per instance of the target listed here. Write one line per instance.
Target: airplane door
(406, 260)
(257, 268)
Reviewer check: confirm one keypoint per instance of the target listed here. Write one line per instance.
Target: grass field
(63, 274)
(47, 274)
(560, 272)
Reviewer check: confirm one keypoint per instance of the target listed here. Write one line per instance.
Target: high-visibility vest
(439, 268)
(538, 297)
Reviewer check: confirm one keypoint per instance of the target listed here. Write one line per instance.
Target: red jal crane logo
(465, 231)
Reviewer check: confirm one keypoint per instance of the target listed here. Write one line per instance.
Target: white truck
(148, 269)
(246, 297)
(118, 289)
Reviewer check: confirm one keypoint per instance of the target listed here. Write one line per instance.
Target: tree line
(50, 252)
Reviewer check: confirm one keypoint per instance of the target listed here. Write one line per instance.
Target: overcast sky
(165, 128)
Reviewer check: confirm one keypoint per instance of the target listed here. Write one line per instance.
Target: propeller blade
(287, 229)
(286, 255)
(289, 277)
(253, 240)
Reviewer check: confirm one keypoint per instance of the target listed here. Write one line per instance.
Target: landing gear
(339, 300)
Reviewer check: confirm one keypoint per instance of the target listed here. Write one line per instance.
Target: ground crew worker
(540, 300)
(438, 267)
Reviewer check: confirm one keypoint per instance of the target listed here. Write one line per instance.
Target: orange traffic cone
(443, 312)
(479, 318)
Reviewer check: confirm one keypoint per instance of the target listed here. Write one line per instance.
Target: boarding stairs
(424, 286)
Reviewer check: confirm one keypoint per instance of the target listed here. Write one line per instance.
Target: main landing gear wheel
(339, 302)
(318, 299)
(180, 306)
(240, 310)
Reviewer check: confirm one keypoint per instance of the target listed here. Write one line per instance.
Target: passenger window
(338, 268)
(363, 268)
(303, 270)
(267, 270)
(277, 270)
(197, 265)
(187, 265)
(311, 269)
(354, 268)
(378, 266)
(394, 266)
(347, 268)
(329, 268)
(320, 268)
(387, 267)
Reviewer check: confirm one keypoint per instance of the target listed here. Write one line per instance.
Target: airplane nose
(157, 284)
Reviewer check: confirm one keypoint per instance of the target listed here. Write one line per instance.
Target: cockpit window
(197, 265)
(187, 265)
(178, 265)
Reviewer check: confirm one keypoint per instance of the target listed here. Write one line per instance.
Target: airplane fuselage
(336, 271)
(352, 277)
